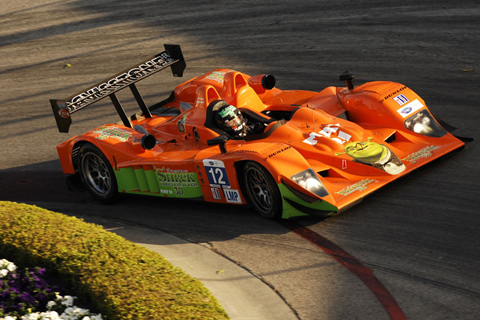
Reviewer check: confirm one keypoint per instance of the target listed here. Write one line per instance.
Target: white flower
(74, 312)
(6, 267)
(67, 300)
(51, 304)
(3, 272)
(50, 315)
(9, 318)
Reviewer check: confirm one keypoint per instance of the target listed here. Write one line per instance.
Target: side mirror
(220, 141)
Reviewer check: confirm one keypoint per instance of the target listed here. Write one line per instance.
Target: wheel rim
(96, 174)
(259, 190)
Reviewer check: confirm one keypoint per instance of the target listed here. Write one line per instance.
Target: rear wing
(171, 57)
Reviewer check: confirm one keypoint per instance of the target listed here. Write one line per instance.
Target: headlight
(308, 180)
(423, 123)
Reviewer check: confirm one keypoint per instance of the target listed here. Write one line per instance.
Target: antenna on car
(306, 121)
(348, 77)
(313, 120)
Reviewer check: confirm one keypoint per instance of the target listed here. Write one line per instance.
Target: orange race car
(227, 137)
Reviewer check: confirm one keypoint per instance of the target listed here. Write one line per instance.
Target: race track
(409, 250)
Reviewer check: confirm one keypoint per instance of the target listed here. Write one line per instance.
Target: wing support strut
(120, 110)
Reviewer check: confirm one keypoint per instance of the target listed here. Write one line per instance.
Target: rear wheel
(262, 191)
(97, 174)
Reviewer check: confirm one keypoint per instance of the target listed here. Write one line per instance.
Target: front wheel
(97, 174)
(262, 191)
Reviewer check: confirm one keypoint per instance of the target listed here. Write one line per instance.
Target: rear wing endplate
(171, 57)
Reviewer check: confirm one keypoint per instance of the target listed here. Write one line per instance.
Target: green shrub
(118, 278)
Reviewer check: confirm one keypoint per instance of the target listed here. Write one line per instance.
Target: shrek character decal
(375, 155)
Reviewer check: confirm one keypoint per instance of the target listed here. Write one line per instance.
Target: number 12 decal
(216, 172)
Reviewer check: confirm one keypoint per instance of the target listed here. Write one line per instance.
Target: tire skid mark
(353, 264)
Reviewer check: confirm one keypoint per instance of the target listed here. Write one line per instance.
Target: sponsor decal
(331, 131)
(359, 186)
(216, 193)
(112, 132)
(423, 153)
(176, 178)
(178, 183)
(216, 173)
(104, 89)
(217, 76)
(410, 108)
(63, 110)
(393, 93)
(200, 102)
(277, 152)
(64, 113)
(181, 123)
(232, 195)
(400, 99)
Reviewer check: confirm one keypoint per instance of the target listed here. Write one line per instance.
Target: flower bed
(22, 291)
(26, 295)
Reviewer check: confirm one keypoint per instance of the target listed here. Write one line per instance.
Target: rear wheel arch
(74, 153)
(79, 144)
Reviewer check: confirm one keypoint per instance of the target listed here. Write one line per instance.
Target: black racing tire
(261, 190)
(97, 174)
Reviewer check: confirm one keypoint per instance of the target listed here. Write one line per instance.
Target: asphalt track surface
(410, 250)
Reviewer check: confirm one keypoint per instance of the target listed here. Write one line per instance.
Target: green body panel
(293, 206)
(155, 182)
(141, 180)
(158, 183)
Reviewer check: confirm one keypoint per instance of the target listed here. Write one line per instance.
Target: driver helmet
(230, 120)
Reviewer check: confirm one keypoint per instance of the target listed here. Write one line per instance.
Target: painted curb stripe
(354, 265)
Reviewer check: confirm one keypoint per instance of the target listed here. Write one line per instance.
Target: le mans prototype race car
(316, 153)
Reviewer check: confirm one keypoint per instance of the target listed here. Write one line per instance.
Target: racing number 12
(216, 172)
(213, 173)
